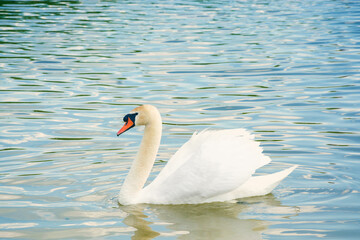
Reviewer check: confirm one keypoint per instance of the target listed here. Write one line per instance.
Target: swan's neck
(142, 165)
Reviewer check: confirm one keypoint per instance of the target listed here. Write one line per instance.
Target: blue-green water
(289, 71)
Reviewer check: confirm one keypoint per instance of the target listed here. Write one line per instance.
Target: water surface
(288, 71)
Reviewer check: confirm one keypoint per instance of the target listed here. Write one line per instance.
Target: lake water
(288, 71)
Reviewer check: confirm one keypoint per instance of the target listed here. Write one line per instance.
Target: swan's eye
(131, 116)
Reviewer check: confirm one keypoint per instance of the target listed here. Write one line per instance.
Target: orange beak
(129, 124)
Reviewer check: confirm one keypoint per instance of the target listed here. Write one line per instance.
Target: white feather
(210, 164)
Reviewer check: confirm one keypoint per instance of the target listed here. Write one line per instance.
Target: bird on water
(212, 166)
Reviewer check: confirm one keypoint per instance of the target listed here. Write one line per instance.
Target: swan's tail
(262, 185)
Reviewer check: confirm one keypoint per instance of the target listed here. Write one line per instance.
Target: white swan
(212, 166)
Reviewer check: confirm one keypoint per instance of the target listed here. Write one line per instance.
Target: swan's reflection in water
(203, 221)
(136, 219)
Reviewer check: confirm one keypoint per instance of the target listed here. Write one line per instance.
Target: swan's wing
(255, 186)
(211, 163)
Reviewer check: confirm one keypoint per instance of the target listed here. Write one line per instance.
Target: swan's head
(142, 115)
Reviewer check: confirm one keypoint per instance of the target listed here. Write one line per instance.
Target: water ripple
(286, 70)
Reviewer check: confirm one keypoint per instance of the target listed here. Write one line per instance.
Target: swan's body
(212, 166)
